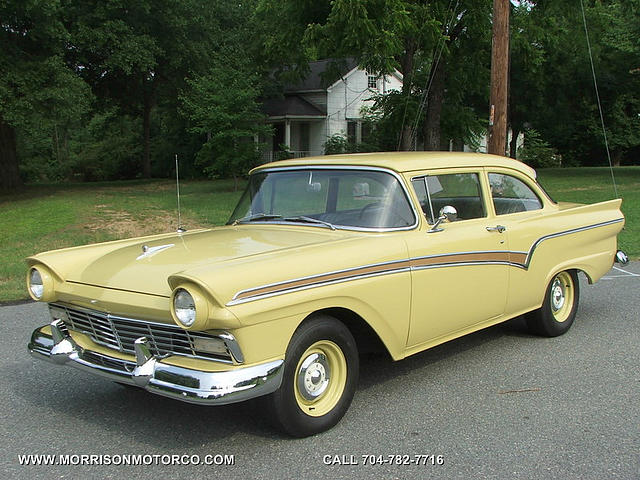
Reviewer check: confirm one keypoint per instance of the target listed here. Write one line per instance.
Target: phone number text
(371, 459)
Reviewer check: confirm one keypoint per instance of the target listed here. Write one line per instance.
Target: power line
(425, 93)
(406, 102)
(595, 84)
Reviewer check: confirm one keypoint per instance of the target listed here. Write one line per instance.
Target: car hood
(144, 264)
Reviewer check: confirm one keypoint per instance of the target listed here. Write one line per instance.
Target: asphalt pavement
(499, 403)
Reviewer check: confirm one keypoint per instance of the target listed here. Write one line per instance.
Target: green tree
(222, 105)
(279, 27)
(618, 70)
(40, 96)
(552, 87)
(135, 53)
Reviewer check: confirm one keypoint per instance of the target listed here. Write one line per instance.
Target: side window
(460, 190)
(511, 195)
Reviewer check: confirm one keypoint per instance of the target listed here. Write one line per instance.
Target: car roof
(403, 162)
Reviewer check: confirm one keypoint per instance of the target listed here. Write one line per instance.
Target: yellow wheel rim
(562, 294)
(321, 376)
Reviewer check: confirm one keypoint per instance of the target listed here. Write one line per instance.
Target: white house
(313, 110)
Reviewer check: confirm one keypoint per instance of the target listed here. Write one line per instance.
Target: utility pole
(499, 78)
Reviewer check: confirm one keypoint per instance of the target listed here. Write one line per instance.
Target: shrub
(536, 152)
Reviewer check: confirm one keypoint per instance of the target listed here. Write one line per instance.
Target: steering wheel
(368, 206)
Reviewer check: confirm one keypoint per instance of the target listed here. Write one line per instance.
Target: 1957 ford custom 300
(320, 256)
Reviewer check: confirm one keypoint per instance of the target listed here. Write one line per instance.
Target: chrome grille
(120, 333)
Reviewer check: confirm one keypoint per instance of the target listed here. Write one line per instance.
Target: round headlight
(184, 307)
(36, 285)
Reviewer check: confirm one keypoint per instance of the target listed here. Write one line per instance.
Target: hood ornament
(148, 251)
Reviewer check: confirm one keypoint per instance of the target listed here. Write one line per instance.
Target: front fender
(382, 302)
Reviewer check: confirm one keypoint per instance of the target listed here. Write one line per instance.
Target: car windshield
(332, 198)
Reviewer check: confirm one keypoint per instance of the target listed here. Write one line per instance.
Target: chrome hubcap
(313, 376)
(557, 295)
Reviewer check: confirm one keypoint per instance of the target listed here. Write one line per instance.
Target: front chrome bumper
(154, 374)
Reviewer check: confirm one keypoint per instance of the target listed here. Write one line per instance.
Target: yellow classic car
(322, 257)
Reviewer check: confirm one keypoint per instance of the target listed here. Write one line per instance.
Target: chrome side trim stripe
(467, 264)
(444, 260)
(331, 278)
(566, 232)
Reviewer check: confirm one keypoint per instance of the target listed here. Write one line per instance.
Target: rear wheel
(558, 310)
(320, 377)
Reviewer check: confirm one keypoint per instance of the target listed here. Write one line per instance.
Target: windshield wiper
(302, 218)
(256, 217)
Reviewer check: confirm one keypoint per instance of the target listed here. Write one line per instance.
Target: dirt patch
(123, 225)
(626, 186)
(11, 303)
(145, 187)
(582, 189)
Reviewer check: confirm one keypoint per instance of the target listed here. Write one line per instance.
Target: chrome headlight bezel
(35, 283)
(185, 298)
(184, 307)
(40, 284)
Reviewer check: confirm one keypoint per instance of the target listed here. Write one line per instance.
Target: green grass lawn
(591, 185)
(56, 216)
(46, 217)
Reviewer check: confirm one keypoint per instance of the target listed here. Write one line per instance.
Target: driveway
(496, 404)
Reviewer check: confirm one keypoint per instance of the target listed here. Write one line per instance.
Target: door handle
(497, 228)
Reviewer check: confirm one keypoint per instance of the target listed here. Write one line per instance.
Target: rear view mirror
(361, 189)
(313, 186)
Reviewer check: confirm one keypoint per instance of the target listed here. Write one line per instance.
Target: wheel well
(573, 269)
(588, 277)
(366, 338)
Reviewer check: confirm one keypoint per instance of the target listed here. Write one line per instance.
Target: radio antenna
(180, 229)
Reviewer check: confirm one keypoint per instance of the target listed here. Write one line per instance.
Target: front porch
(295, 138)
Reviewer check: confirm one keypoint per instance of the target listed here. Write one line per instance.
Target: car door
(519, 208)
(459, 270)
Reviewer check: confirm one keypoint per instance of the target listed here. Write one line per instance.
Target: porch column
(287, 133)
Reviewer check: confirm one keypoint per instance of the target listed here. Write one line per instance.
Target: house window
(372, 81)
(352, 126)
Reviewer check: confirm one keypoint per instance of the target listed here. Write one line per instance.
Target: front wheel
(558, 310)
(320, 377)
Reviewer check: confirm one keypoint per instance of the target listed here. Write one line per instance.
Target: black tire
(558, 310)
(320, 378)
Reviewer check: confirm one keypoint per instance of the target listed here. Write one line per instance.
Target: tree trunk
(10, 177)
(146, 134)
(513, 145)
(56, 140)
(407, 64)
(435, 99)
(617, 157)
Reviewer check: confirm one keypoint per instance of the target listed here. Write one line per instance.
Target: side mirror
(447, 213)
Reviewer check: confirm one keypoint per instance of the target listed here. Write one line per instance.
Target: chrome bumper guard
(155, 375)
(621, 258)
